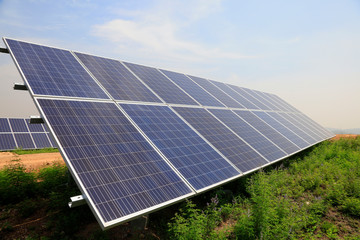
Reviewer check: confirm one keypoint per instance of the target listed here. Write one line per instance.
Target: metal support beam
(20, 86)
(4, 50)
(36, 120)
(76, 201)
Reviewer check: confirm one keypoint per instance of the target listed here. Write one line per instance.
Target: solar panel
(301, 143)
(119, 171)
(280, 101)
(10, 129)
(255, 139)
(52, 71)
(216, 92)
(41, 140)
(230, 145)
(298, 131)
(167, 90)
(117, 79)
(34, 127)
(4, 125)
(304, 128)
(137, 138)
(271, 100)
(53, 144)
(270, 133)
(18, 125)
(7, 141)
(243, 101)
(314, 130)
(262, 97)
(325, 132)
(24, 140)
(192, 89)
(250, 97)
(195, 159)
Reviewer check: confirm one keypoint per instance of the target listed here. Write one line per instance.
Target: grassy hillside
(313, 195)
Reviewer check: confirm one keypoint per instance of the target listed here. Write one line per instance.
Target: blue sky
(307, 52)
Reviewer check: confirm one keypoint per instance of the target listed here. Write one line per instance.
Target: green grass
(21, 151)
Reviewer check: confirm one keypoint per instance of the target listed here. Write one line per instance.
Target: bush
(16, 184)
(52, 178)
(27, 207)
(192, 223)
(351, 206)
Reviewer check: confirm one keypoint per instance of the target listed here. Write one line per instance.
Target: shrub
(52, 178)
(27, 207)
(16, 183)
(351, 206)
(192, 223)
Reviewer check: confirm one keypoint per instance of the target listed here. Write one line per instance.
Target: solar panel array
(19, 133)
(137, 138)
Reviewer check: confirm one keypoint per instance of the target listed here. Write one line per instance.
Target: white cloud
(157, 31)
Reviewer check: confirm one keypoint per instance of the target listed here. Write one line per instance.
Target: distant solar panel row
(19, 133)
(138, 138)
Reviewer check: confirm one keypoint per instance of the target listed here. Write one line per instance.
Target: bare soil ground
(338, 136)
(31, 161)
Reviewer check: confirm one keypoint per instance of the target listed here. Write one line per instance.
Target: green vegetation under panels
(21, 151)
(313, 195)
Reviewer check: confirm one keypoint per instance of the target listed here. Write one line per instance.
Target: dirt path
(31, 161)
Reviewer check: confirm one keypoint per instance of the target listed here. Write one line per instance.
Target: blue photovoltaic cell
(34, 127)
(292, 127)
(199, 94)
(196, 160)
(216, 92)
(284, 107)
(268, 132)
(325, 132)
(4, 125)
(53, 144)
(270, 151)
(282, 129)
(41, 140)
(120, 171)
(284, 104)
(52, 71)
(231, 146)
(117, 79)
(18, 125)
(261, 96)
(311, 128)
(270, 99)
(243, 101)
(21, 125)
(243, 92)
(7, 142)
(24, 140)
(299, 125)
(162, 86)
